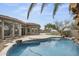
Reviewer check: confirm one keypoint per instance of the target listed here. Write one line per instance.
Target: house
(12, 28)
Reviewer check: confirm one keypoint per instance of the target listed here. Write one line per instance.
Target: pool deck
(34, 37)
(25, 38)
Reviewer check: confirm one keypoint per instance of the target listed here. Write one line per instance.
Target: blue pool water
(46, 47)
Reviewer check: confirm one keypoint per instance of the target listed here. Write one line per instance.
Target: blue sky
(19, 11)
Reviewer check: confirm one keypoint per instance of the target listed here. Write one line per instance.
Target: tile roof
(32, 24)
(16, 20)
(10, 18)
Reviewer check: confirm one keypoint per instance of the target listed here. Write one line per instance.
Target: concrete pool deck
(25, 38)
(41, 36)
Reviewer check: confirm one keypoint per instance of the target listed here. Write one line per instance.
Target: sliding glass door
(7, 29)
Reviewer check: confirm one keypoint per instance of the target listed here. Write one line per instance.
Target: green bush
(67, 33)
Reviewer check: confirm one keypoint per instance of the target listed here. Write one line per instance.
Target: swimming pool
(45, 47)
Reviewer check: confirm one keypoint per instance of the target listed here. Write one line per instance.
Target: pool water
(49, 47)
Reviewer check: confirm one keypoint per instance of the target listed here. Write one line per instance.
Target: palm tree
(73, 7)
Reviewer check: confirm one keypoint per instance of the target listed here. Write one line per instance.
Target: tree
(49, 27)
(58, 26)
(61, 26)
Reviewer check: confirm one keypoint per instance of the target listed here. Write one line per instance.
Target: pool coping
(4, 51)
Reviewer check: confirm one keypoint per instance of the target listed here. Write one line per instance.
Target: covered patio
(11, 27)
(14, 28)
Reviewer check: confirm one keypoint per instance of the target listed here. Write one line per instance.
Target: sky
(19, 11)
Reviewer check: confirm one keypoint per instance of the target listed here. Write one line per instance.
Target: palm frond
(42, 7)
(56, 6)
(69, 7)
(30, 9)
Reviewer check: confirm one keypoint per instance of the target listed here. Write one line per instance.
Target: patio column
(38, 29)
(25, 30)
(20, 30)
(2, 29)
(13, 30)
